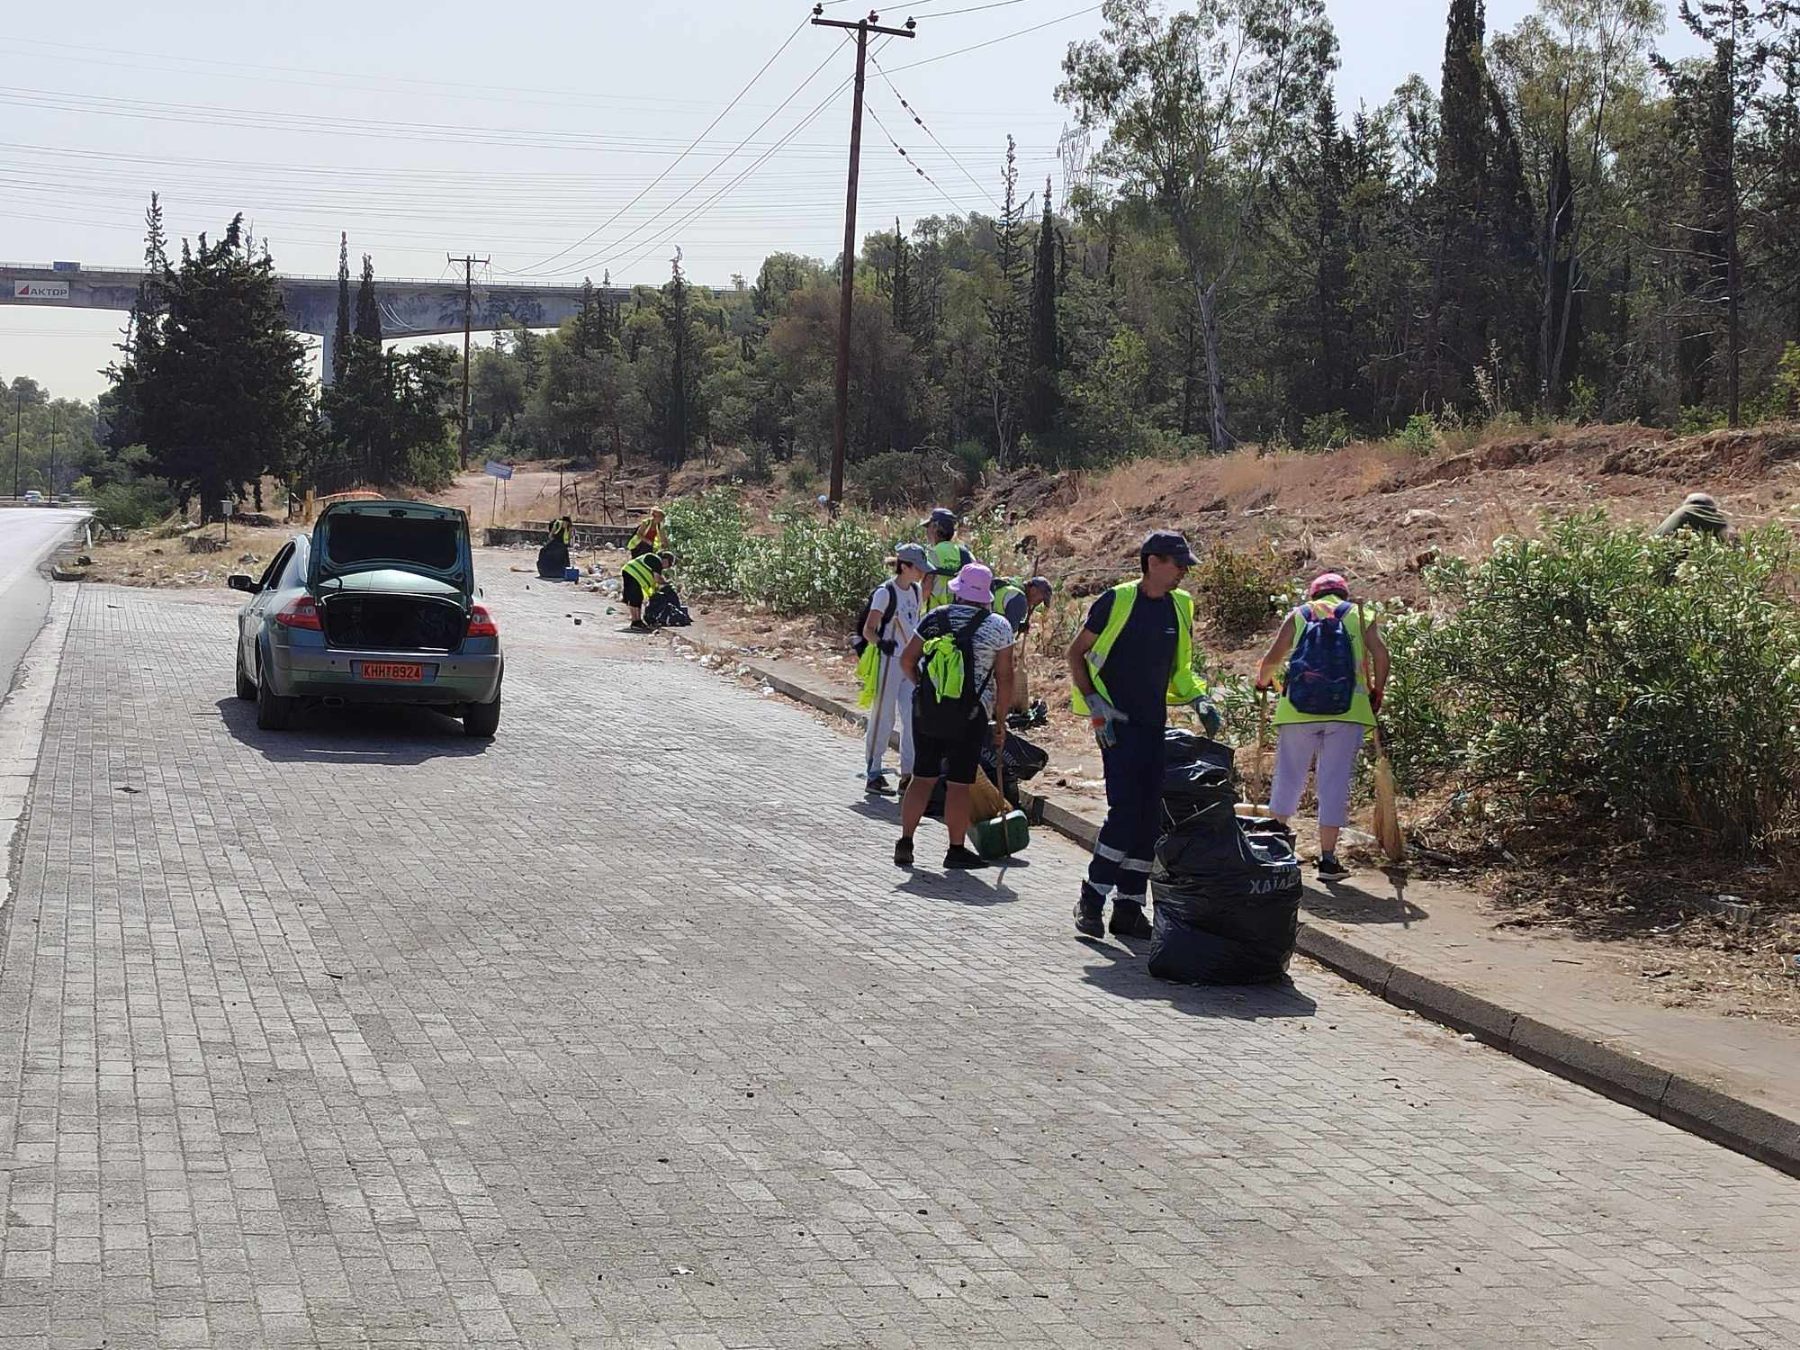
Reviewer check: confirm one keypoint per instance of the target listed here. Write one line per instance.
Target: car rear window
(353, 539)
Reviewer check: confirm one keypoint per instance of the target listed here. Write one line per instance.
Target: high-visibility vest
(648, 532)
(946, 562)
(646, 577)
(1003, 596)
(561, 532)
(1184, 685)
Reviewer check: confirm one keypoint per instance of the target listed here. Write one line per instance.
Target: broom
(1387, 810)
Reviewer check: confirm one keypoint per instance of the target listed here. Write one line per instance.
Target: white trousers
(893, 699)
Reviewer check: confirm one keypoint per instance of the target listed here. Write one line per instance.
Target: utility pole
(840, 429)
(52, 492)
(468, 262)
(18, 435)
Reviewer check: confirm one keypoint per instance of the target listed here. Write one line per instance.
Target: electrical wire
(913, 113)
(763, 70)
(817, 70)
(1004, 37)
(954, 205)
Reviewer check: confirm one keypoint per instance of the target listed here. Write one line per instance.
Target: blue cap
(942, 517)
(1166, 544)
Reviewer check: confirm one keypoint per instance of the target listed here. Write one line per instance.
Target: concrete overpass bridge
(408, 308)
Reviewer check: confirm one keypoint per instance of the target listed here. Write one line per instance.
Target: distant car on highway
(377, 605)
(33, 497)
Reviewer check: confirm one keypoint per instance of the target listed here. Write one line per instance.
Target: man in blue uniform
(1132, 660)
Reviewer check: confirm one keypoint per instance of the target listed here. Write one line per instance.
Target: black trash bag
(1024, 761)
(1197, 781)
(553, 560)
(665, 610)
(1232, 914)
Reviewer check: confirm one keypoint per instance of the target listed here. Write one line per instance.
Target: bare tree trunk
(1218, 428)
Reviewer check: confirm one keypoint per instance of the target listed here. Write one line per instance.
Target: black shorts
(954, 761)
(634, 593)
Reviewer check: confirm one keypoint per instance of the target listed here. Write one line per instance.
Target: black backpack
(949, 719)
(859, 644)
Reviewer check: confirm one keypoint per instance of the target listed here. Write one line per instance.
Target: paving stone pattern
(622, 1030)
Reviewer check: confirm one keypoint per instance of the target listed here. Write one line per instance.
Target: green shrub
(1419, 435)
(1326, 431)
(1646, 683)
(968, 462)
(1783, 397)
(1696, 418)
(1234, 590)
(709, 535)
(896, 478)
(134, 505)
(801, 475)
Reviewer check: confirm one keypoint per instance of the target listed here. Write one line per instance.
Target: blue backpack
(1321, 673)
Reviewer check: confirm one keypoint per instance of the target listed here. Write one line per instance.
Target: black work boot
(1129, 919)
(1088, 911)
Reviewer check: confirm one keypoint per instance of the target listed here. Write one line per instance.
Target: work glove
(888, 646)
(1105, 720)
(1208, 715)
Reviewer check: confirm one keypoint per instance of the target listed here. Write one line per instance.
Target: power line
(667, 207)
(678, 159)
(913, 113)
(1004, 37)
(909, 159)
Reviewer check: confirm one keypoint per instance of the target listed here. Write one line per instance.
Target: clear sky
(453, 127)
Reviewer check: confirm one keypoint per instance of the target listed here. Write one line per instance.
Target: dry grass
(146, 558)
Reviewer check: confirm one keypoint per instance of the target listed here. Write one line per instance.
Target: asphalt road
(27, 536)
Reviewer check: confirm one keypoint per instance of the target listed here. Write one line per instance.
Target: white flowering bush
(708, 533)
(1653, 683)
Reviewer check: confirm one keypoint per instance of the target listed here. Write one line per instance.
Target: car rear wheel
(482, 719)
(246, 687)
(273, 713)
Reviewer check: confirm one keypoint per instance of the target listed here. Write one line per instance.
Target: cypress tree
(902, 298)
(1046, 350)
(368, 309)
(340, 337)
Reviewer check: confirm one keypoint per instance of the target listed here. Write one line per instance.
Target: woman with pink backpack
(1333, 667)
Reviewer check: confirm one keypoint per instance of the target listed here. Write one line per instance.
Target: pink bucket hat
(975, 583)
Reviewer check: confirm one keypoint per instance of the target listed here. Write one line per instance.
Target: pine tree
(222, 397)
(1046, 350)
(340, 337)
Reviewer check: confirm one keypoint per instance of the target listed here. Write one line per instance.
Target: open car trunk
(376, 622)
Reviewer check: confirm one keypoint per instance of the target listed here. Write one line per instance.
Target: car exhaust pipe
(332, 701)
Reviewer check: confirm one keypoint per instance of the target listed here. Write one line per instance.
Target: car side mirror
(241, 581)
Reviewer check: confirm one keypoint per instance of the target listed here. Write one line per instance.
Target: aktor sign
(40, 290)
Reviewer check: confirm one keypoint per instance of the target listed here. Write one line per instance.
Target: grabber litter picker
(1260, 810)
(1387, 808)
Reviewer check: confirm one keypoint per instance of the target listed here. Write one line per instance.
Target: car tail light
(481, 623)
(301, 612)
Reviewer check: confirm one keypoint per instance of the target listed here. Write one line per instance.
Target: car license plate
(392, 670)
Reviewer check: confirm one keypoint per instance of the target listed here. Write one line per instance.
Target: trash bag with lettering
(1227, 902)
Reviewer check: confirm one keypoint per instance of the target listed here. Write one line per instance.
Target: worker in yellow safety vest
(948, 558)
(652, 535)
(643, 577)
(1131, 662)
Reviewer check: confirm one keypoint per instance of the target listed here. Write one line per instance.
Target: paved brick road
(619, 1031)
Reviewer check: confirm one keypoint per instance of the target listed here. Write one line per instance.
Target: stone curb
(1668, 1096)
